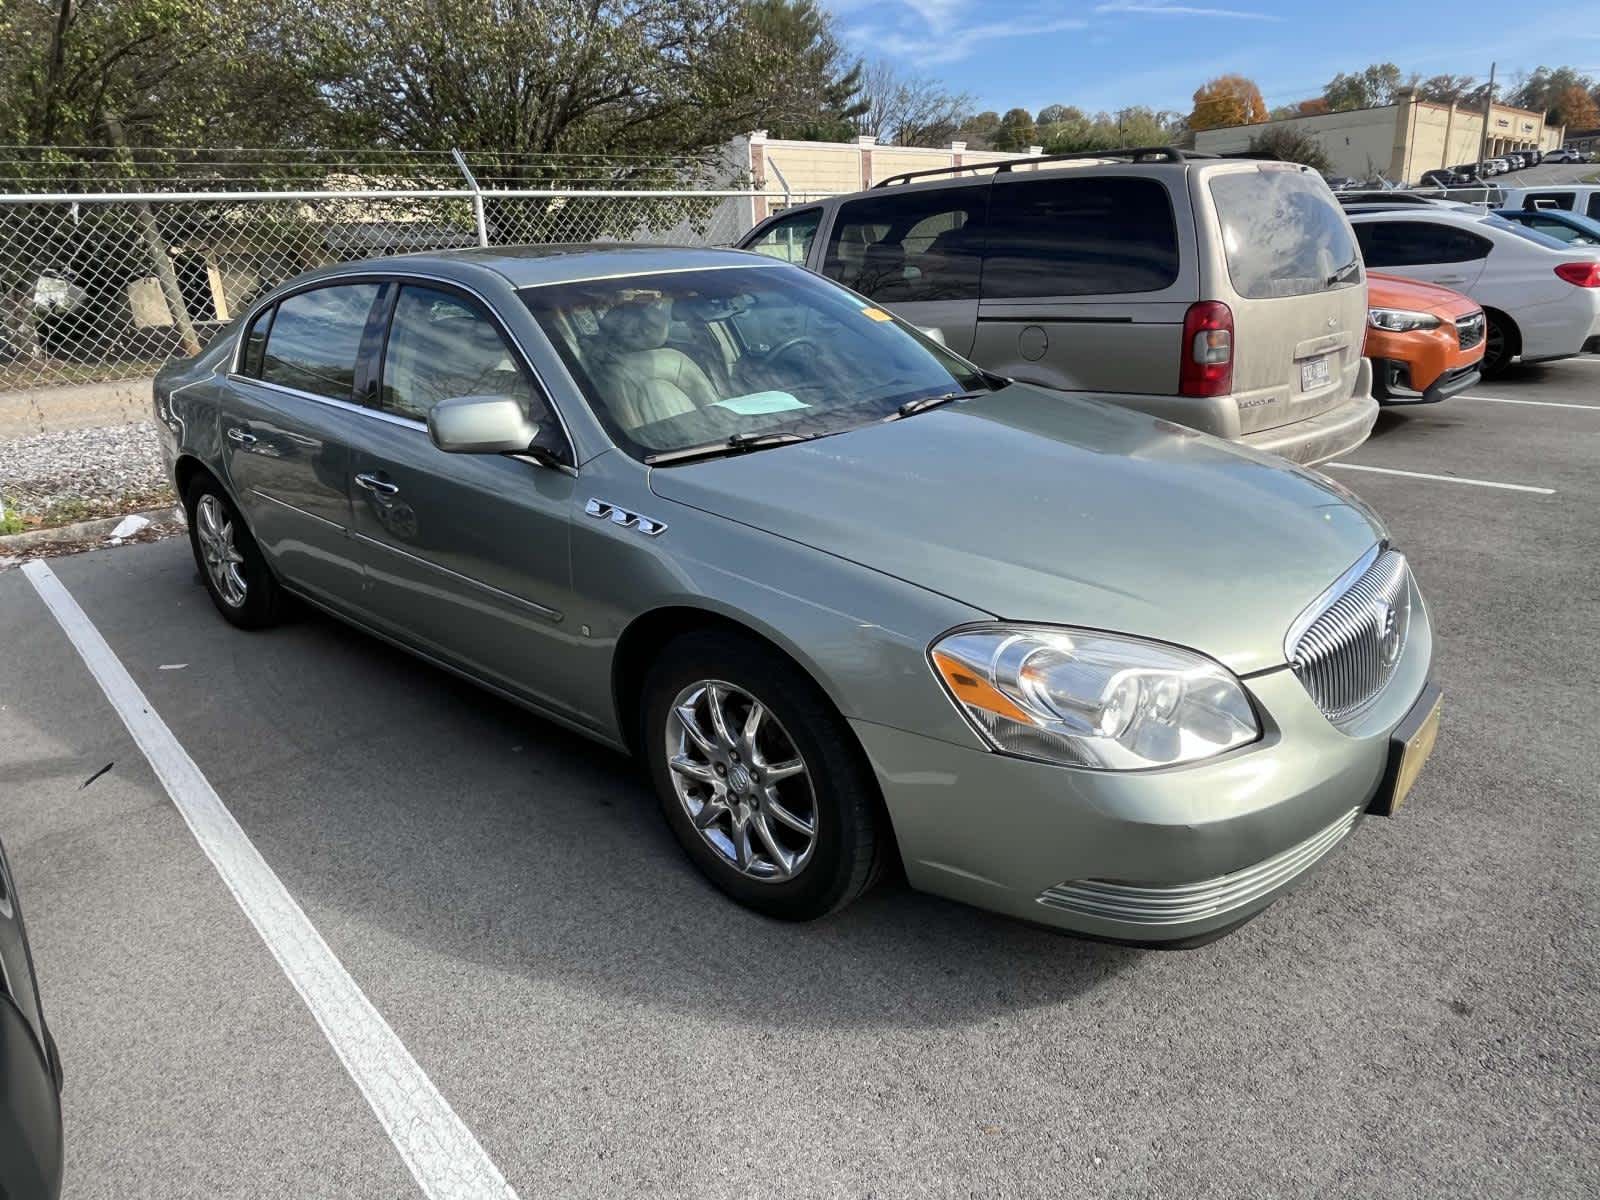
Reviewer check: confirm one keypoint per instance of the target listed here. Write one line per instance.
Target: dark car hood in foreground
(1036, 506)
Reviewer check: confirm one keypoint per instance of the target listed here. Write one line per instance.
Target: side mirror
(932, 332)
(481, 425)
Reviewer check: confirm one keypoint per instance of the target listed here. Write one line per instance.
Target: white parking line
(1534, 403)
(1488, 483)
(440, 1151)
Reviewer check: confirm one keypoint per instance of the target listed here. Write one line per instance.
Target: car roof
(531, 266)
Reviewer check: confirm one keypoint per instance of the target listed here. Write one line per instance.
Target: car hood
(1396, 291)
(1036, 506)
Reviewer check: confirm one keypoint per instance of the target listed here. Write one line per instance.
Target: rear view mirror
(481, 425)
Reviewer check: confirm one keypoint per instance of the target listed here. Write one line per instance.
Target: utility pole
(1488, 107)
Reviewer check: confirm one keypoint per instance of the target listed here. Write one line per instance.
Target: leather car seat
(644, 379)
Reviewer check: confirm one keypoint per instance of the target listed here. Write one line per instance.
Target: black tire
(849, 845)
(263, 602)
(1500, 344)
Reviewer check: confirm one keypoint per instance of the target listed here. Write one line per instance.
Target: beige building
(1402, 140)
(806, 170)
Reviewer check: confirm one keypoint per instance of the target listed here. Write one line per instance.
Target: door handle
(381, 486)
(241, 438)
(1451, 279)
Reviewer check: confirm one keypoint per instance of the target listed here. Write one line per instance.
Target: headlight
(1400, 320)
(1092, 699)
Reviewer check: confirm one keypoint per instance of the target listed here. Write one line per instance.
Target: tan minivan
(1223, 294)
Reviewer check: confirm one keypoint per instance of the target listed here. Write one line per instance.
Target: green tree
(823, 99)
(980, 130)
(1376, 85)
(1016, 131)
(1446, 89)
(1291, 145)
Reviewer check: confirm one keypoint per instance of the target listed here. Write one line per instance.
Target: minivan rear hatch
(1290, 270)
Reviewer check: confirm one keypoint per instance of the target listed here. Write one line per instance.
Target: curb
(81, 531)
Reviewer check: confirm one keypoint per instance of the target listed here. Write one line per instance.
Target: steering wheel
(788, 344)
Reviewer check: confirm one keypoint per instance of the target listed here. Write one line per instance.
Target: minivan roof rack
(1004, 165)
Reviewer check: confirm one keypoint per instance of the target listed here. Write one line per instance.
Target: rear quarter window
(1103, 236)
(1282, 233)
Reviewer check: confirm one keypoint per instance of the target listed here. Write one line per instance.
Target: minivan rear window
(1282, 233)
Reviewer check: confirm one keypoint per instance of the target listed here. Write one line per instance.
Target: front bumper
(1097, 852)
(1392, 382)
(1326, 435)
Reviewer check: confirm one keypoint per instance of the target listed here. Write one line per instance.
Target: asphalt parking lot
(1421, 1017)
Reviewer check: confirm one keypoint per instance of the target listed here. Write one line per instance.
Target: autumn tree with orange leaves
(1227, 100)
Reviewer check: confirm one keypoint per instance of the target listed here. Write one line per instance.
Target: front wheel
(759, 777)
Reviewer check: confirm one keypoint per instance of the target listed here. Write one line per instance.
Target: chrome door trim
(553, 615)
(330, 401)
(372, 483)
(297, 510)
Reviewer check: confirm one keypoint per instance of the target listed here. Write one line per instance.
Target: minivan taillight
(1207, 365)
(1584, 274)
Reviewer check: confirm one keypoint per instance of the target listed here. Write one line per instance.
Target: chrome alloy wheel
(222, 558)
(741, 780)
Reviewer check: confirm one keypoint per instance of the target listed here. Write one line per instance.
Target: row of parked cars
(1228, 295)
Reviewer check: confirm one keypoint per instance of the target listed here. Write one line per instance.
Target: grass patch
(68, 510)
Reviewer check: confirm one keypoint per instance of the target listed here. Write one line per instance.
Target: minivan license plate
(1315, 373)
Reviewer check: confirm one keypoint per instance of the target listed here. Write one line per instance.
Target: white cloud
(1146, 8)
(937, 34)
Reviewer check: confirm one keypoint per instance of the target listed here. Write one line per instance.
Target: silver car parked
(848, 596)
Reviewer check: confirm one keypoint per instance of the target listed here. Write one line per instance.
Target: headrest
(637, 325)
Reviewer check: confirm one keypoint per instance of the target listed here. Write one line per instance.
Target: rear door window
(1550, 200)
(911, 246)
(1282, 233)
(315, 337)
(1100, 236)
(789, 238)
(1594, 205)
(1417, 243)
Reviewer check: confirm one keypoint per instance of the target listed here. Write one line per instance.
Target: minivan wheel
(759, 777)
(231, 566)
(1498, 345)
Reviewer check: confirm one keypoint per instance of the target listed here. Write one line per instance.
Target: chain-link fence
(100, 285)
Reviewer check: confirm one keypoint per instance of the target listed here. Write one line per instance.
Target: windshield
(1283, 233)
(685, 358)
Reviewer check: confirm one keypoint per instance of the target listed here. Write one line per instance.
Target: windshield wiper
(1343, 273)
(923, 403)
(739, 443)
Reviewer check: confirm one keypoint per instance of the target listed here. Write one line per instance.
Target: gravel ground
(77, 473)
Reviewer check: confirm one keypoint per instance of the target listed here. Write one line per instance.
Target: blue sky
(1107, 54)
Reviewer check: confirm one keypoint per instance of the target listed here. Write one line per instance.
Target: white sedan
(1541, 296)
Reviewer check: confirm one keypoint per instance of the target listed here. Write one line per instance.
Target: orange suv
(1425, 341)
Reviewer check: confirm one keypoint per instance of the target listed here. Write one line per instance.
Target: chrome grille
(1469, 330)
(1345, 646)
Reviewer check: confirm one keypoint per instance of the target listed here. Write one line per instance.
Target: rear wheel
(231, 565)
(759, 777)
(1499, 344)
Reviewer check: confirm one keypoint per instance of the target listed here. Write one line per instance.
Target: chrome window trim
(758, 262)
(330, 401)
(398, 276)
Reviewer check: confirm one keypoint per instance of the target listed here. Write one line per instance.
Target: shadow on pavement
(467, 826)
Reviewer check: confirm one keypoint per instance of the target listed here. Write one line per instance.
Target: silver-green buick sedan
(851, 599)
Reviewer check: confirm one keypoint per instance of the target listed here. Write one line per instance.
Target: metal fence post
(477, 196)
